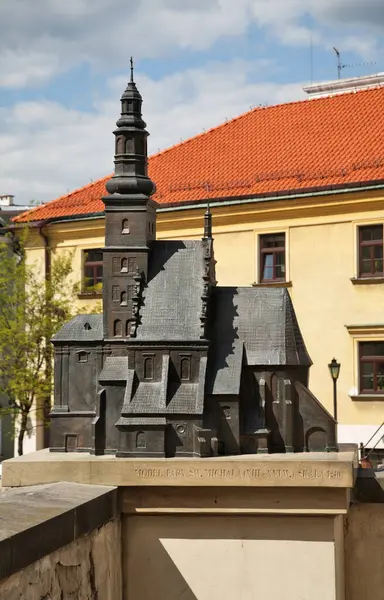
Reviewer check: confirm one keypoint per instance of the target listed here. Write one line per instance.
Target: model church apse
(177, 365)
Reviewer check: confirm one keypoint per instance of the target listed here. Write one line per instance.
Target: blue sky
(63, 66)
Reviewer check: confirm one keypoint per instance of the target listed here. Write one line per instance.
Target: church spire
(131, 173)
(130, 220)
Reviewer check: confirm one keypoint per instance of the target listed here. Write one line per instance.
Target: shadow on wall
(221, 558)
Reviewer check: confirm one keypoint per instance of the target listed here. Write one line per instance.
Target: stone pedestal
(221, 528)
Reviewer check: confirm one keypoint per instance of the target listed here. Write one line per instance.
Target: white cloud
(47, 149)
(44, 37)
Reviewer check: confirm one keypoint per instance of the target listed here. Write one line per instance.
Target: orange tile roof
(329, 141)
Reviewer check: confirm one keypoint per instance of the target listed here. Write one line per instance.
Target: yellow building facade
(339, 307)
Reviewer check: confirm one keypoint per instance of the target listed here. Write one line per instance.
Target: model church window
(272, 257)
(371, 356)
(120, 145)
(148, 367)
(117, 328)
(93, 270)
(130, 146)
(227, 413)
(82, 356)
(123, 299)
(131, 291)
(128, 328)
(185, 368)
(124, 265)
(141, 440)
(371, 251)
(125, 226)
(132, 265)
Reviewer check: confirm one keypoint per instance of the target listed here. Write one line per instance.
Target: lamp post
(334, 369)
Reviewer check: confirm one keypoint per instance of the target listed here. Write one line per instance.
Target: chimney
(340, 86)
(6, 200)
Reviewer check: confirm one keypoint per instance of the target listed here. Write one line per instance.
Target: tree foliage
(32, 309)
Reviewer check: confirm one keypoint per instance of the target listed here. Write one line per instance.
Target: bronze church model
(176, 365)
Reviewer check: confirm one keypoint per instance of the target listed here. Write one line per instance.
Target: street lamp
(334, 369)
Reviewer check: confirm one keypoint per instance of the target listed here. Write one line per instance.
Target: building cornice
(276, 206)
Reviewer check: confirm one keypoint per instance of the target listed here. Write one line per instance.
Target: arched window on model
(148, 367)
(130, 146)
(141, 440)
(123, 299)
(226, 413)
(125, 227)
(120, 145)
(117, 328)
(185, 368)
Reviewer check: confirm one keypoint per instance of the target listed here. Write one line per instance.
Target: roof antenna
(131, 61)
(340, 66)
(311, 55)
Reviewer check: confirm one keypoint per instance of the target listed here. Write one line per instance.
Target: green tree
(32, 310)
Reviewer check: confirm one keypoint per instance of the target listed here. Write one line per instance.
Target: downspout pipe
(47, 254)
(39, 225)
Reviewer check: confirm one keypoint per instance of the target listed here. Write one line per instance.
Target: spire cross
(131, 61)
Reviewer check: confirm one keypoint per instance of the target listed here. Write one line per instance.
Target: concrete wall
(364, 552)
(87, 569)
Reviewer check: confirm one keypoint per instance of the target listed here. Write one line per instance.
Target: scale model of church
(176, 365)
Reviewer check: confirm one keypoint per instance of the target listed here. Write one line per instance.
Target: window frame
(369, 244)
(95, 286)
(263, 250)
(376, 360)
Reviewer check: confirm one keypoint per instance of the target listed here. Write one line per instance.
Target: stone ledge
(367, 280)
(35, 521)
(235, 500)
(335, 470)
